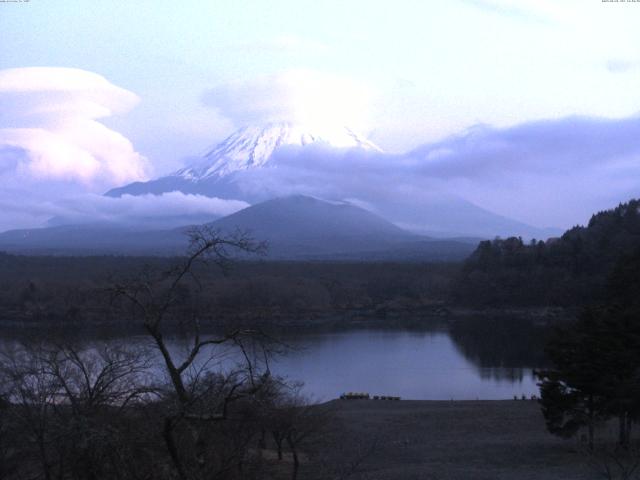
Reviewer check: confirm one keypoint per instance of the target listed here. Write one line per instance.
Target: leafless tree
(64, 405)
(197, 397)
(103, 412)
(292, 421)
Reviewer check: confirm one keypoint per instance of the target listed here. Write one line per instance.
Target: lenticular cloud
(50, 115)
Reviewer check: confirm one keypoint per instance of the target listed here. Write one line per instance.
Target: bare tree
(198, 397)
(101, 377)
(292, 420)
(33, 396)
(66, 405)
(102, 412)
(155, 295)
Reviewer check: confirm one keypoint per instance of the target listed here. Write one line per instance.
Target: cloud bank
(546, 173)
(144, 211)
(56, 158)
(147, 210)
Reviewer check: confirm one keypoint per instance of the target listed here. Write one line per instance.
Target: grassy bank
(458, 440)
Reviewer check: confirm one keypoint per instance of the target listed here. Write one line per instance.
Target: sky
(528, 108)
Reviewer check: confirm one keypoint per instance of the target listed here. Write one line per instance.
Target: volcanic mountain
(248, 148)
(300, 226)
(252, 147)
(245, 166)
(295, 227)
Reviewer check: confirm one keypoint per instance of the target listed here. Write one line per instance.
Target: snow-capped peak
(253, 146)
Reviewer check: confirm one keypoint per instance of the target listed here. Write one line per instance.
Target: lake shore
(385, 316)
(418, 439)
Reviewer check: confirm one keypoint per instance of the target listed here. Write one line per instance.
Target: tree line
(568, 271)
(72, 290)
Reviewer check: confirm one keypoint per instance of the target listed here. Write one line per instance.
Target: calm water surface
(413, 365)
(410, 364)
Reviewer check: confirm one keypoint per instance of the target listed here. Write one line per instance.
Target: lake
(465, 363)
(410, 364)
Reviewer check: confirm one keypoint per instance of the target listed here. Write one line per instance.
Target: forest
(568, 271)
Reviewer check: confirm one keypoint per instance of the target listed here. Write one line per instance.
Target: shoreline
(383, 318)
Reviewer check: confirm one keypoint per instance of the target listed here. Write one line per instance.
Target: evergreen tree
(571, 392)
(595, 374)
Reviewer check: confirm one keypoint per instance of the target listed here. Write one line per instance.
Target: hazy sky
(157, 81)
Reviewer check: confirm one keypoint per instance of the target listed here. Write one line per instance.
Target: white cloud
(50, 115)
(150, 211)
(309, 97)
(130, 209)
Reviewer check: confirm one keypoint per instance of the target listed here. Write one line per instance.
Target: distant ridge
(296, 228)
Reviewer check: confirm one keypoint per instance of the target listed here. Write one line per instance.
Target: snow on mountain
(253, 146)
(226, 172)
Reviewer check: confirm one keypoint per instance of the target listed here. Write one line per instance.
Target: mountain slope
(253, 147)
(300, 216)
(248, 148)
(447, 216)
(305, 227)
(296, 227)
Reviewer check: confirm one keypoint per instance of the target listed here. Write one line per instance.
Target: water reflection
(470, 361)
(505, 342)
(504, 373)
(419, 365)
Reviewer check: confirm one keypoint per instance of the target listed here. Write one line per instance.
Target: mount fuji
(351, 218)
(245, 166)
(251, 147)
